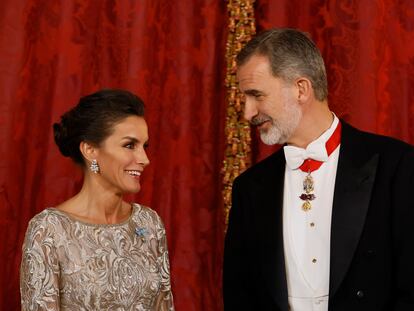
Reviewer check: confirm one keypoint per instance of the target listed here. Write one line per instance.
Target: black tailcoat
(372, 230)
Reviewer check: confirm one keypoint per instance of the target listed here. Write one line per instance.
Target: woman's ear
(88, 151)
(305, 90)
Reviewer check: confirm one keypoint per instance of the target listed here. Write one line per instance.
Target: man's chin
(269, 139)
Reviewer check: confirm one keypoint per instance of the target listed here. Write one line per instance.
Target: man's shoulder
(375, 139)
(361, 145)
(374, 142)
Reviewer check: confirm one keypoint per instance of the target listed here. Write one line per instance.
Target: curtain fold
(171, 53)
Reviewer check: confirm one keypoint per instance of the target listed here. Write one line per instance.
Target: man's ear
(305, 89)
(88, 151)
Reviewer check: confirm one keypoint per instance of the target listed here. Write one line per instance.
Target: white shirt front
(306, 234)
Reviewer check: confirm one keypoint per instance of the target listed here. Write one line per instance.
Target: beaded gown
(68, 264)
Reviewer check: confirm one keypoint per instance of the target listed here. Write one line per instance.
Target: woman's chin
(133, 190)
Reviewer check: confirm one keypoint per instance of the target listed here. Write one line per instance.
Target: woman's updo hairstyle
(93, 119)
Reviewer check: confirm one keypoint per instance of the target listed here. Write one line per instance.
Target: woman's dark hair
(92, 120)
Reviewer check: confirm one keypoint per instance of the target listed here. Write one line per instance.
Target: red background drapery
(172, 55)
(168, 52)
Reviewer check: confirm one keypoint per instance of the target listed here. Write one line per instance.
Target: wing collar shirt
(306, 234)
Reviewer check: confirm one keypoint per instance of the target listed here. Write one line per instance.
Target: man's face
(270, 102)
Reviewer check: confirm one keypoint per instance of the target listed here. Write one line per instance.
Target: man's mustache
(259, 119)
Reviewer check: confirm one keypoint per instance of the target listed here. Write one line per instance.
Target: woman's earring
(94, 167)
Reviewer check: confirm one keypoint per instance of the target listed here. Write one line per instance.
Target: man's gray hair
(292, 54)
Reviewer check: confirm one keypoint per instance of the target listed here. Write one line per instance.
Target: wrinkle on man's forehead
(256, 68)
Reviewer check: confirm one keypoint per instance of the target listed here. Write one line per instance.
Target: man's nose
(250, 109)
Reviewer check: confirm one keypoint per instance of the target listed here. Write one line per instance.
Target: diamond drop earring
(94, 166)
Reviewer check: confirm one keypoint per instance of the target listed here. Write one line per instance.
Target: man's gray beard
(273, 136)
(279, 133)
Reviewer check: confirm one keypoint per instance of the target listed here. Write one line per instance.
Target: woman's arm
(164, 301)
(39, 270)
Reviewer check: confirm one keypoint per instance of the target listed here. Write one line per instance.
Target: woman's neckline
(74, 219)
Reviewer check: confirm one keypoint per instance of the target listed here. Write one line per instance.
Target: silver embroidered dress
(71, 265)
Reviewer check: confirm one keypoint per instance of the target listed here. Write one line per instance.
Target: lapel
(353, 186)
(270, 228)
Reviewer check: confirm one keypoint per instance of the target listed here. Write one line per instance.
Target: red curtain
(171, 53)
(368, 48)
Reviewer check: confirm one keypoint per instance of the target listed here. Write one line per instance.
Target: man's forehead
(256, 67)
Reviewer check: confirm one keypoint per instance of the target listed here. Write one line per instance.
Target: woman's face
(122, 157)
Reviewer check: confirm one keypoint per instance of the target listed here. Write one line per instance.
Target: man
(327, 222)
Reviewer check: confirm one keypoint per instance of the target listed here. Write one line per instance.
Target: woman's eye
(130, 146)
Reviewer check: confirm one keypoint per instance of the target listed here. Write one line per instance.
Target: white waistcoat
(306, 234)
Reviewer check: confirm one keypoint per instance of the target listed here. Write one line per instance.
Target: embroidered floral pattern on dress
(71, 265)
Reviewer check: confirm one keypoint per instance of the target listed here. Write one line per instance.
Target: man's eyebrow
(253, 92)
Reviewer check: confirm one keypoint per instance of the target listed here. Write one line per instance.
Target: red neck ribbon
(310, 165)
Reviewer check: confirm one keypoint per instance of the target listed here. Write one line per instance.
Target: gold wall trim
(241, 28)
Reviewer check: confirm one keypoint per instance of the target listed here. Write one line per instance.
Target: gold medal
(306, 206)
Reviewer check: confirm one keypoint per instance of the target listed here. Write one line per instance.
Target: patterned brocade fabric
(71, 265)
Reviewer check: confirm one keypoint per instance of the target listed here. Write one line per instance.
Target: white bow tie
(295, 156)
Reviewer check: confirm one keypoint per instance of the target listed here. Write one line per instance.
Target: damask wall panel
(171, 53)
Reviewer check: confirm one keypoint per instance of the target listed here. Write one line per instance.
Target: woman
(95, 251)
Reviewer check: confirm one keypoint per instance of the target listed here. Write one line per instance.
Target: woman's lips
(134, 173)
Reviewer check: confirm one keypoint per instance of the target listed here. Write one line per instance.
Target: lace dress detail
(71, 265)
